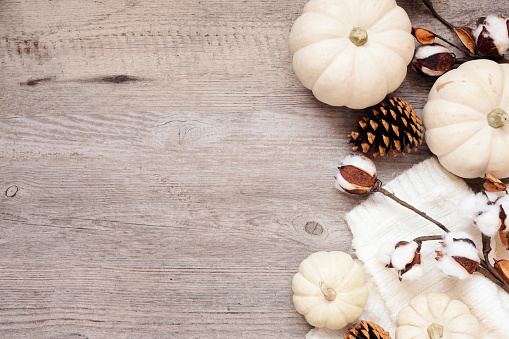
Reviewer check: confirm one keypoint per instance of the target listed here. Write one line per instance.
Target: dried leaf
(423, 36)
(466, 37)
(493, 184)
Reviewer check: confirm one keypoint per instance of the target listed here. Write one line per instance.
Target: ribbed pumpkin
(466, 119)
(351, 52)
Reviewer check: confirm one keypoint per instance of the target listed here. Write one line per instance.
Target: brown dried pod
(493, 184)
(423, 36)
(466, 36)
(502, 267)
(433, 60)
(357, 175)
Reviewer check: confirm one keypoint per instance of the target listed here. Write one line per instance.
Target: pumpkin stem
(328, 293)
(435, 331)
(358, 36)
(498, 118)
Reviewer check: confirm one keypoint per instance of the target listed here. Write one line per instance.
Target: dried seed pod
(433, 60)
(357, 175)
(459, 256)
(423, 36)
(491, 36)
(406, 258)
(493, 184)
(466, 36)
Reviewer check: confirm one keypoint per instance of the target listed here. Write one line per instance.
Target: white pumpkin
(434, 316)
(330, 289)
(351, 52)
(467, 122)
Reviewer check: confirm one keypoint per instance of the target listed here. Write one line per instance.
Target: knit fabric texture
(378, 220)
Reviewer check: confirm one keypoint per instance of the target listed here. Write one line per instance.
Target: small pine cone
(366, 330)
(395, 127)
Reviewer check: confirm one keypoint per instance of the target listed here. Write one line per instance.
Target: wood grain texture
(163, 172)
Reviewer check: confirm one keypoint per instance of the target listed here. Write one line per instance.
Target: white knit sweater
(435, 191)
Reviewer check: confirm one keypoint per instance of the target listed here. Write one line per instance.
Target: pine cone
(366, 330)
(395, 127)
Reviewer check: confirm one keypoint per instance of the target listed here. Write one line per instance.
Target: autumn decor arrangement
(432, 255)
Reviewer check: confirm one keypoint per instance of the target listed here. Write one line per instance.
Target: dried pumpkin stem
(328, 293)
(435, 331)
(410, 207)
(358, 36)
(498, 118)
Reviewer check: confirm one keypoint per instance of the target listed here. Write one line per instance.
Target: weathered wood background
(163, 172)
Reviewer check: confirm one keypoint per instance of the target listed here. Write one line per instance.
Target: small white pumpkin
(466, 119)
(434, 316)
(330, 289)
(351, 52)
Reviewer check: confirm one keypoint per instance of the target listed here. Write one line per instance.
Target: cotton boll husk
(361, 162)
(403, 255)
(489, 221)
(450, 267)
(471, 206)
(414, 273)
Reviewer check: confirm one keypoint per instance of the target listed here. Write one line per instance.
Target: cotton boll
(413, 274)
(403, 255)
(459, 256)
(450, 267)
(461, 249)
(489, 221)
(493, 196)
(384, 252)
(451, 236)
(471, 206)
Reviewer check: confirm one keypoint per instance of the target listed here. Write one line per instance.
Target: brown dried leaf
(493, 184)
(466, 37)
(424, 36)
